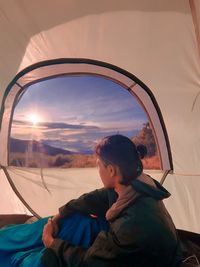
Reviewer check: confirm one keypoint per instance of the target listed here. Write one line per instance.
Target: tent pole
(164, 176)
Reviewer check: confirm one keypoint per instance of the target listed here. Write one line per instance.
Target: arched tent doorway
(103, 99)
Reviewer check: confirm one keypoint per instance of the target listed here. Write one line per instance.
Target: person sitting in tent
(123, 224)
(140, 232)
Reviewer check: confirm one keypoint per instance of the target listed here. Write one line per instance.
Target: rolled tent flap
(157, 41)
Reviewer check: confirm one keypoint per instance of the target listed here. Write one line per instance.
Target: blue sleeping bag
(22, 246)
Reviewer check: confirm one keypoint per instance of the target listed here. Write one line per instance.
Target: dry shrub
(151, 163)
(38, 160)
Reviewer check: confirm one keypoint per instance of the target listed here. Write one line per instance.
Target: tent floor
(13, 219)
(191, 248)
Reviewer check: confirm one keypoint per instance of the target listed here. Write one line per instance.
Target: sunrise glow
(34, 118)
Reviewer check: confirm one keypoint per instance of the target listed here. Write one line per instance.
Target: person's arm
(103, 252)
(106, 250)
(96, 202)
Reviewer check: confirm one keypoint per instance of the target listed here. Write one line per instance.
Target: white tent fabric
(9, 201)
(157, 41)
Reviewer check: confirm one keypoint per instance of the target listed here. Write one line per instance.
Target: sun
(34, 118)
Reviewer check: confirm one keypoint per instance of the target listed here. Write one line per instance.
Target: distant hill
(22, 146)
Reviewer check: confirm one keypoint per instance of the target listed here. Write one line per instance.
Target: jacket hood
(158, 192)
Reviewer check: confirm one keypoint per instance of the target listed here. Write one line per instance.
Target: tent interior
(75, 71)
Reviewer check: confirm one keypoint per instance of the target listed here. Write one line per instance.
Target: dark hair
(121, 151)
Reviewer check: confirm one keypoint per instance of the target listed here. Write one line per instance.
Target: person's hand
(47, 235)
(55, 224)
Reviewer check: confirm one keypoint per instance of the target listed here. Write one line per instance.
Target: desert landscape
(35, 154)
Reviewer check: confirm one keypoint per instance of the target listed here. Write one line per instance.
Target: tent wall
(10, 203)
(183, 204)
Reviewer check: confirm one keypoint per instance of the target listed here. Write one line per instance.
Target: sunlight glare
(34, 118)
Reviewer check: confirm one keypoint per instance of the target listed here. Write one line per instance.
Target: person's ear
(112, 170)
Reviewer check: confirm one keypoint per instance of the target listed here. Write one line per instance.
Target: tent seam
(195, 22)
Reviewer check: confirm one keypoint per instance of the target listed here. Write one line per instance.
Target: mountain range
(22, 146)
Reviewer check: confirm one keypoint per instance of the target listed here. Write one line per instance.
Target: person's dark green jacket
(143, 234)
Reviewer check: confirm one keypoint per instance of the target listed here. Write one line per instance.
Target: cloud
(84, 142)
(79, 145)
(63, 131)
(49, 130)
(53, 125)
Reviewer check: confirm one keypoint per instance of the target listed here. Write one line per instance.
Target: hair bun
(142, 151)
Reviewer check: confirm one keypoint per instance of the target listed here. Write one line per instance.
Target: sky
(74, 112)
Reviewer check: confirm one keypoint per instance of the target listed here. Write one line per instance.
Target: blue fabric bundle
(22, 246)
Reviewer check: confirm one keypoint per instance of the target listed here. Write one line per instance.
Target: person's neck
(119, 188)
